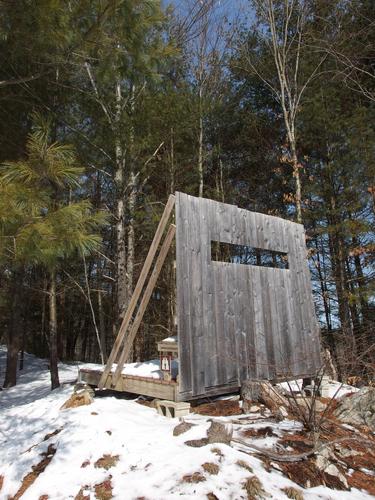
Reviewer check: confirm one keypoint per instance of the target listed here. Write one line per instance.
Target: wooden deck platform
(155, 388)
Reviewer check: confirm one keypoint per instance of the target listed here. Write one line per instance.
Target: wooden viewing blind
(244, 300)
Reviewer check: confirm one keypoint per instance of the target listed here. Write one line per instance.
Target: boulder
(359, 408)
(219, 433)
(81, 397)
(182, 427)
(325, 462)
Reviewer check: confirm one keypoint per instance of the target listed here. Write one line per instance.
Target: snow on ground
(150, 369)
(152, 463)
(333, 388)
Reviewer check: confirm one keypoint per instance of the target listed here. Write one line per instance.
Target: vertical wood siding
(238, 321)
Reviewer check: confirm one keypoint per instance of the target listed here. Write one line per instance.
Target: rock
(216, 433)
(324, 463)
(333, 471)
(78, 399)
(345, 452)
(82, 387)
(325, 387)
(197, 443)
(219, 433)
(254, 409)
(181, 428)
(306, 403)
(212, 496)
(358, 409)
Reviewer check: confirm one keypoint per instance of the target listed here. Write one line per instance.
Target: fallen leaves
(106, 461)
(211, 468)
(196, 477)
(219, 408)
(254, 488)
(103, 490)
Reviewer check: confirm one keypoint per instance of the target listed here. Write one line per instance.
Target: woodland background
(108, 106)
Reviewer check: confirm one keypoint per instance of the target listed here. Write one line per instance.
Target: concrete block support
(172, 409)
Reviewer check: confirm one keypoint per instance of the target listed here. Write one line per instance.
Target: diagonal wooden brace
(145, 300)
(137, 290)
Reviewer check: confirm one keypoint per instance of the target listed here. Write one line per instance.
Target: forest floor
(117, 448)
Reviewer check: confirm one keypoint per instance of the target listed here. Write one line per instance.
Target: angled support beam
(145, 300)
(138, 289)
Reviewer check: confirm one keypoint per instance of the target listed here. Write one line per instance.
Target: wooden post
(145, 300)
(138, 289)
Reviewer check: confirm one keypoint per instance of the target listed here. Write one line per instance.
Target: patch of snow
(333, 389)
(149, 369)
(170, 339)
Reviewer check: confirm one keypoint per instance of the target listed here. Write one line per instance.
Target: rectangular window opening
(243, 254)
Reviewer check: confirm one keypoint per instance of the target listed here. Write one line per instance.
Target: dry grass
(211, 468)
(244, 465)
(293, 493)
(80, 495)
(254, 488)
(212, 496)
(106, 462)
(196, 477)
(103, 491)
(217, 451)
(1, 482)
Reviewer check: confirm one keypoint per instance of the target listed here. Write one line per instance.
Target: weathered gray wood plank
(183, 293)
(239, 321)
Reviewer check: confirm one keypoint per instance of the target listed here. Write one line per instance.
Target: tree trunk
(323, 286)
(354, 306)
(131, 238)
(121, 279)
(131, 207)
(120, 257)
(102, 326)
(200, 148)
(53, 333)
(219, 178)
(361, 283)
(297, 177)
(14, 338)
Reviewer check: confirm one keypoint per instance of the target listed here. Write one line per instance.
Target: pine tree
(56, 228)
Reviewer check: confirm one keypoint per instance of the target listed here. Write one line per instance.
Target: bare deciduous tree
(281, 29)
